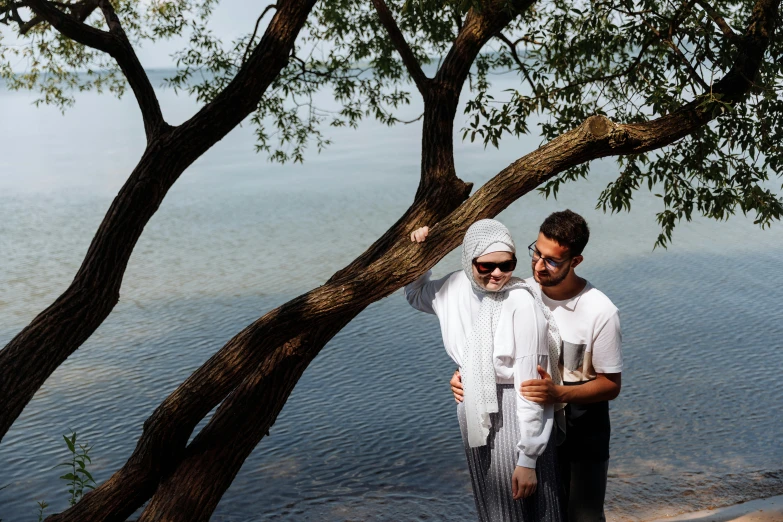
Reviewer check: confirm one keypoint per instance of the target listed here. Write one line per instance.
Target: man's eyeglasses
(487, 268)
(535, 255)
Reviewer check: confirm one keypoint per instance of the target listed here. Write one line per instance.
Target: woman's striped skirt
(492, 466)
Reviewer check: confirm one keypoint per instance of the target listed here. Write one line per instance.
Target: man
(591, 363)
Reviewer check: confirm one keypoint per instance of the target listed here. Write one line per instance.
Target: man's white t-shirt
(590, 328)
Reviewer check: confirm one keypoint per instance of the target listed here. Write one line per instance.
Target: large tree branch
(398, 39)
(479, 27)
(280, 342)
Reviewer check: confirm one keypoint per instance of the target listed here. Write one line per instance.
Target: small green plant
(41, 506)
(78, 478)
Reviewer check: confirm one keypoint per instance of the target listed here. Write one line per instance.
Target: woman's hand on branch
(420, 234)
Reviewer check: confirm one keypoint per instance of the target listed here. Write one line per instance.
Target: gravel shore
(762, 510)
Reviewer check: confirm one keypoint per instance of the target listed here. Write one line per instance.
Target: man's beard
(551, 280)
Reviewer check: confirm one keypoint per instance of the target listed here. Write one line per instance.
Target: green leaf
(70, 443)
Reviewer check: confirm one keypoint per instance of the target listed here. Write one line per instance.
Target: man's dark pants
(583, 459)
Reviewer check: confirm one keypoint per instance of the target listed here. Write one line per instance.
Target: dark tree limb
(26, 27)
(241, 96)
(10, 12)
(398, 39)
(478, 28)
(264, 394)
(528, 40)
(457, 19)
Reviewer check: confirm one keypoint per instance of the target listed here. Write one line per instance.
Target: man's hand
(456, 386)
(523, 482)
(420, 234)
(542, 391)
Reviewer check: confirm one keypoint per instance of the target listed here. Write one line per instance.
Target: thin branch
(609, 77)
(305, 70)
(16, 5)
(512, 47)
(728, 32)
(669, 43)
(679, 16)
(398, 39)
(12, 14)
(414, 120)
(529, 40)
(255, 30)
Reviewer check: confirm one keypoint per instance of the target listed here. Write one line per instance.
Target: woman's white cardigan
(520, 345)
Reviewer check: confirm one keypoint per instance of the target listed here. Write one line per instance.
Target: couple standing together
(538, 360)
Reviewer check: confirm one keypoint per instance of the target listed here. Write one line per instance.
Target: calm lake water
(370, 431)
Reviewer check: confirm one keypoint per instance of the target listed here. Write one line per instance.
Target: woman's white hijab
(484, 237)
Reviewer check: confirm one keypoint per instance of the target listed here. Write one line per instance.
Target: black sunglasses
(487, 268)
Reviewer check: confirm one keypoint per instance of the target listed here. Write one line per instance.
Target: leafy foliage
(631, 60)
(45, 61)
(79, 478)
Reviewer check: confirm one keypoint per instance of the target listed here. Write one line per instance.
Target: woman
(497, 333)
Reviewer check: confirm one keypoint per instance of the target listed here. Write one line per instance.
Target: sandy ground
(762, 510)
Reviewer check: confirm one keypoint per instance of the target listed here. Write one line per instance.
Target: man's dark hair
(567, 228)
